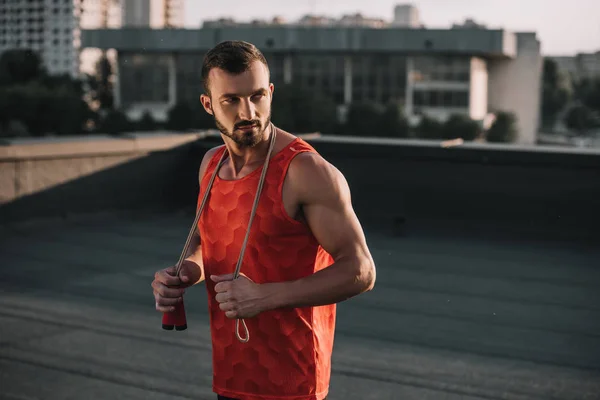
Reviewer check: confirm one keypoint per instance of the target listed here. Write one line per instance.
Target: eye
(229, 100)
(258, 96)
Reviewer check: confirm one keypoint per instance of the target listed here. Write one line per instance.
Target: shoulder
(208, 156)
(314, 177)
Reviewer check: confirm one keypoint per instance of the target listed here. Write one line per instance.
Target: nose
(247, 110)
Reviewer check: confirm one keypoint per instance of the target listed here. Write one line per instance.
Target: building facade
(406, 16)
(52, 28)
(433, 73)
(49, 27)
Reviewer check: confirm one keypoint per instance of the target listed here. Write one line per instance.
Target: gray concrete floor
(450, 318)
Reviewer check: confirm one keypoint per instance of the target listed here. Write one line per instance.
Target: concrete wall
(45, 178)
(515, 85)
(397, 185)
(522, 192)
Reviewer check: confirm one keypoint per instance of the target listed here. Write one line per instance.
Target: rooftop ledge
(140, 142)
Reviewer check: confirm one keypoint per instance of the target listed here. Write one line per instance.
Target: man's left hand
(239, 298)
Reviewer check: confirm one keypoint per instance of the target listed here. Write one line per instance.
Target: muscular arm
(325, 198)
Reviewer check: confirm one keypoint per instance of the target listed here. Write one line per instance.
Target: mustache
(247, 123)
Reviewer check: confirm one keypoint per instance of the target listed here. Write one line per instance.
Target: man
(305, 253)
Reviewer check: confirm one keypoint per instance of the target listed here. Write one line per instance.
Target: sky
(563, 27)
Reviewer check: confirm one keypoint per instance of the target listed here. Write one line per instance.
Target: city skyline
(541, 16)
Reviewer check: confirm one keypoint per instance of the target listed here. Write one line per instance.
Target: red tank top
(289, 352)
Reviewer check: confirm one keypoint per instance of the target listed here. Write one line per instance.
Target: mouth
(246, 128)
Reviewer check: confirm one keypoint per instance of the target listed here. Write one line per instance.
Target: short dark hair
(233, 56)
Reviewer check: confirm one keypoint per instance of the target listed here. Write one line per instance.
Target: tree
(554, 95)
(41, 102)
(588, 92)
(18, 66)
(101, 85)
(504, 128)
(114, 123)
(392, 122)
(180, 117)
(580, 118)
(301, 110)
(364, 119)
(460, 126)
(429, 128)
(146, 123)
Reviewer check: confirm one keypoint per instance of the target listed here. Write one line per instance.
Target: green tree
(460, 126)
(588, 92)
(301, 110)
(504, 128)
(19, 66)
(43, 103)
(114, 123)
(554, 95)
(429, 128)
(364, 119)
(580, 118)
(392, 122)
(146, 123)
(180, 117)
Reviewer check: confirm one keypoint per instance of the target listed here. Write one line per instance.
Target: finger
(166, 278)
(223, 297)
(222, 278)
(164, 309)
(163, 301)
(166, 291)
(228, 306)
(231, 314)
(222, 286)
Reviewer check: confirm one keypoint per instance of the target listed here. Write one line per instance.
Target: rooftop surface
(450, 317)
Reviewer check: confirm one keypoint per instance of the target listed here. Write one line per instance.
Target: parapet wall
(399, 186)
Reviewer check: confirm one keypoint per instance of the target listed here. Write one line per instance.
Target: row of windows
(12, 13)
(448, 69)
(441, 98)
(56, 31)
(149, 74)
(19, 42)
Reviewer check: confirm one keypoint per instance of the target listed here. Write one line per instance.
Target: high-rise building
(52, 27)
(406, 16)
(153, 13)
(49, 27)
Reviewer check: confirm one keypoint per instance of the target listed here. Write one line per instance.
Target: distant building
(351, 20)
(359, 20)
(406, 16)
(315, 20)
(580, 66)
(48, 27)
(52, 27)
(98, 14)
(427, 72)
(156, 14)
(469, 24)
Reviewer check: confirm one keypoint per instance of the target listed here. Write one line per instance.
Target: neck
(239, 156)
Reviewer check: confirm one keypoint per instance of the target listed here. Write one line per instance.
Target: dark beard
(243, 140)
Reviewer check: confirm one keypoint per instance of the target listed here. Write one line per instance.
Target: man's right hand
(169, 288)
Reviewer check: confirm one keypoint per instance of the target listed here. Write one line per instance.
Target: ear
(206, 103)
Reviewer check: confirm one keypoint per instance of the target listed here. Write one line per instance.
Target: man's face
(240, 104)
